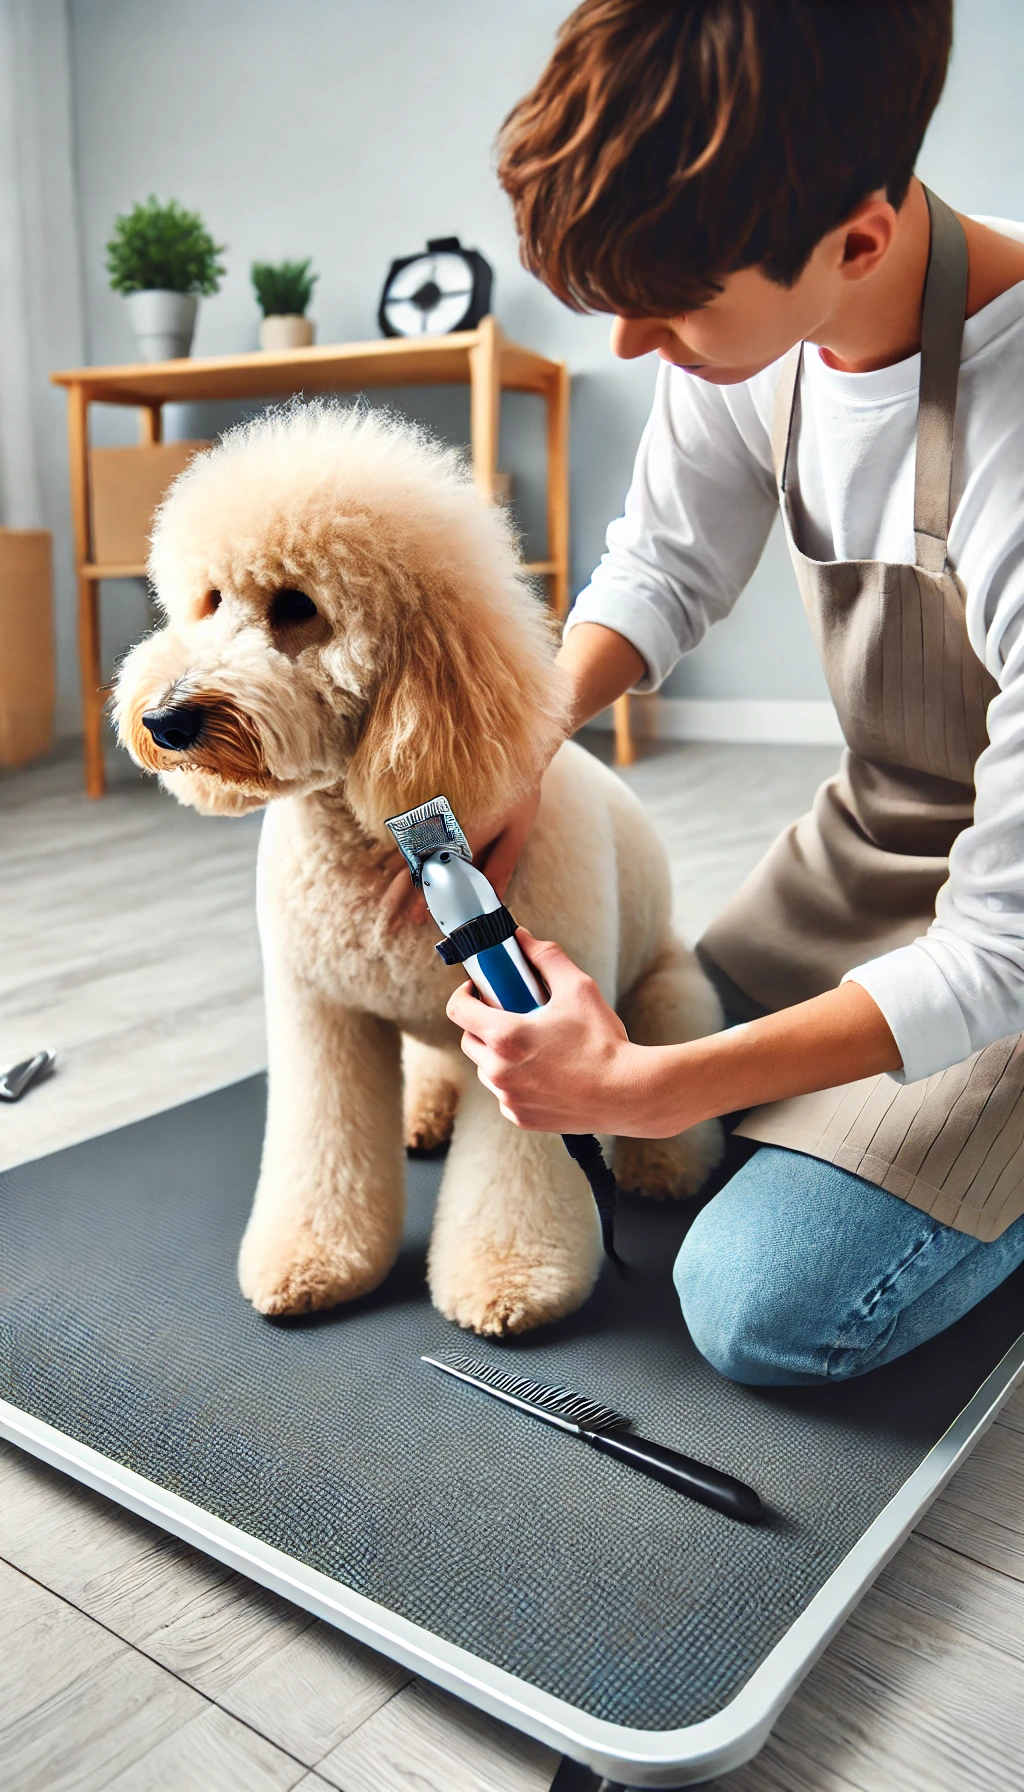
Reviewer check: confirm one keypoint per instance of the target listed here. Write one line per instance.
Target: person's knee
(741, 1311)
(722, 1302)
(800, 1272)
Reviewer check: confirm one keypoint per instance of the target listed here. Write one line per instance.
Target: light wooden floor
(131, 1662)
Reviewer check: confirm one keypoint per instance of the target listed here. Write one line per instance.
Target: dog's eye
(210, 603)
(290, 607)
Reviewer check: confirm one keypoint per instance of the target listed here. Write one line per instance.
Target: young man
(733, 180)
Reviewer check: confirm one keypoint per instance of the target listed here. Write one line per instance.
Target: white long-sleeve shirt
(697, 516)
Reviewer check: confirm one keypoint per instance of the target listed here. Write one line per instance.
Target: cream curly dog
(348, 634)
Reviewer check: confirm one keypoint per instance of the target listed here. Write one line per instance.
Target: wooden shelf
(537, 569)
(91, 571)
(330, 367)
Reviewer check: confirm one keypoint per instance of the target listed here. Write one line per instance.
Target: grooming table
(558, 1589)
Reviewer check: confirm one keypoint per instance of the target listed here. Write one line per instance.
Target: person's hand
(566, 1067)
(569, 1067)
(496, 851)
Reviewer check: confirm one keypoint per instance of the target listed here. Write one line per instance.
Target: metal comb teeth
(561, 1405)
(419, 832)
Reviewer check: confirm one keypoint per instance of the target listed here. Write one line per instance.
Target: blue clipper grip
(480, 933)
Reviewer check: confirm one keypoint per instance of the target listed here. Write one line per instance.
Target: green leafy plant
(283, 289)
(164, 247)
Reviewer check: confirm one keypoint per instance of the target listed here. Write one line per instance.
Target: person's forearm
(569, 1065)
(836, 1038)
(600, 666)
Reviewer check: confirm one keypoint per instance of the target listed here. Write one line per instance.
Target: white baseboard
(753, 719)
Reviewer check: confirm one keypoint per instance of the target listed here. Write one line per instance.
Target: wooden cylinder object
(28, 685)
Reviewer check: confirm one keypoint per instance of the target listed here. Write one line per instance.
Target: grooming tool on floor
(480, 933)
(609, 1432)
(18, 1078)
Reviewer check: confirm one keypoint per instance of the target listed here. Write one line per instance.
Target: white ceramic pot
(163, 323)
(289, 330)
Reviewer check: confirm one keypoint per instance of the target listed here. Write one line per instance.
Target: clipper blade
(419, 832)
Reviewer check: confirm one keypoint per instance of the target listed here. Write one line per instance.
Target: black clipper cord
(585, 1150)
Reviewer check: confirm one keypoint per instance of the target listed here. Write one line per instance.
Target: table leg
(151, 424)
(485, 405)
(92, 684)
(625, 749)
(89, 664)
(558, 487)
(558, 535)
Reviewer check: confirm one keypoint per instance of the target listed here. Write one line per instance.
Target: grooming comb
(609, 1432)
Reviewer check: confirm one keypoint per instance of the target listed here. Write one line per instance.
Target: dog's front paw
(500, 1291)
(288, 1272)
(665, 1169)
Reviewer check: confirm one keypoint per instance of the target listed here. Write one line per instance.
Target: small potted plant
(163, 259)
(284, 290)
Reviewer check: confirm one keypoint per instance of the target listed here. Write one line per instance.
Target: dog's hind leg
(673, 1001)
(433, 1080)
(516, 1240)
(327, 1220)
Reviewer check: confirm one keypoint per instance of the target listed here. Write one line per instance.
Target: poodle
(348, 633)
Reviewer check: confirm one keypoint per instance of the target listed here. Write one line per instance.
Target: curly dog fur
(348, 615)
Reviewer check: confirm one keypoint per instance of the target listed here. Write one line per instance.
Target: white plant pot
(163, 323)
(289, 330)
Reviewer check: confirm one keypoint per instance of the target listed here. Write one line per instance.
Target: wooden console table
(482, 359)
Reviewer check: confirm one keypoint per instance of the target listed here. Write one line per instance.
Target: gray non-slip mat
(121, 1325)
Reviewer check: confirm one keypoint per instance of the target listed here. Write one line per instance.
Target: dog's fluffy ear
(469, 705)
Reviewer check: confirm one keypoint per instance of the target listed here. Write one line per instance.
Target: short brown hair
(666, 145)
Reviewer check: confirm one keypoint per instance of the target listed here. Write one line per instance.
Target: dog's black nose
(176, 728)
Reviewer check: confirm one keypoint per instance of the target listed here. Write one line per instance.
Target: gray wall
(353, 132)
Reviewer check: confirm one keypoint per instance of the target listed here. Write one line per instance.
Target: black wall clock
(432, 294)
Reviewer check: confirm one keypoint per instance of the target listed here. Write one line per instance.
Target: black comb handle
(708, 1485)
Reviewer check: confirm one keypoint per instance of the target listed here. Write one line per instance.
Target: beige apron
(859, 875)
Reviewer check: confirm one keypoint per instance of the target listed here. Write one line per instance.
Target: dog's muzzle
(176, 728)
(207, 734)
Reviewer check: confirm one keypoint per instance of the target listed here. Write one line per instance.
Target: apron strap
(785, 412)
(942, 328)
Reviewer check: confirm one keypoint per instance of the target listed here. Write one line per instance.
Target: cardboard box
(27, 677)
(127, 484)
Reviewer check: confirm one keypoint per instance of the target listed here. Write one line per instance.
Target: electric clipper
(480, 933)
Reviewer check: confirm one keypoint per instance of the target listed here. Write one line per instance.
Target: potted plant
(163, 259)
(284, 290)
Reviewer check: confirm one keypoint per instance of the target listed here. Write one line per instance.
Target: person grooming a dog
(733, 181)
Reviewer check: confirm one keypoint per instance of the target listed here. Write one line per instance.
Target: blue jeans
(799, 1273)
